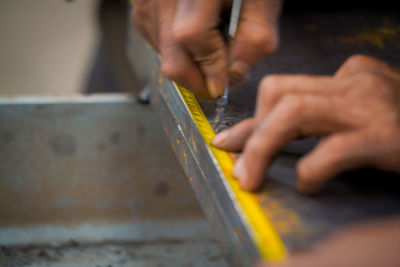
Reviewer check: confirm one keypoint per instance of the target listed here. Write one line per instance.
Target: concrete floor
(46, 46)
(116, 254)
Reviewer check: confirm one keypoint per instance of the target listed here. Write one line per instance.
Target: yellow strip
(263, 233)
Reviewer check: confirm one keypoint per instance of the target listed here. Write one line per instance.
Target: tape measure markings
(263, 233)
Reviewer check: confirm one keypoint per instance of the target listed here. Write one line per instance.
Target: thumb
(195, 29)
(256, 36)
(333, 155)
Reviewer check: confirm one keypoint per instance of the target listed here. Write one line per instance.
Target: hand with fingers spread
(357, 111)
(192, 48)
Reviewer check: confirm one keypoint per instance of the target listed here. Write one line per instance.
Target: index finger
(293, 117)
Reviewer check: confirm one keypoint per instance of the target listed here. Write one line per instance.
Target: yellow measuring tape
(263, 233)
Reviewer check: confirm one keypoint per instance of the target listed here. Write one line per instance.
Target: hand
(192, 48)
(357, 110)
(371, 245)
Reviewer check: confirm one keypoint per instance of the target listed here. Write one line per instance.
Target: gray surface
(87, 159)
(91, 181)
(108, 254)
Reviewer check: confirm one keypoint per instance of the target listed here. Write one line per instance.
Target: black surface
(317, 40)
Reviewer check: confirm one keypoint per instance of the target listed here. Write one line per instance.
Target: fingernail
(219, 138)
(239, 171)
(238, 71)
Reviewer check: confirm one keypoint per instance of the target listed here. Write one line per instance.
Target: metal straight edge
(194, 149)
(195, 158)
(197, 162)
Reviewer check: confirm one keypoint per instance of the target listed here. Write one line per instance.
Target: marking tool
(222, 102)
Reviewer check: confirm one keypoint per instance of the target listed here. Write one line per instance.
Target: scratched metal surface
(313, 42)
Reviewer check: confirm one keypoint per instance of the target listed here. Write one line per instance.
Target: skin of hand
(192, 48)
(370, 245)
(357, 111)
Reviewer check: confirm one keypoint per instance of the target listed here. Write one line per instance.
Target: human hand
(357, 110)
(192, 48)
(370, 245)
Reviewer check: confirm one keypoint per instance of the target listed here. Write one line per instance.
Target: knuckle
(359, 60)
(212, 61)
(359, 63)
(271, 81)
(371, 80)
(263, 41)
(293, 104)
(171, 71)
(187, 34)
(270, 86)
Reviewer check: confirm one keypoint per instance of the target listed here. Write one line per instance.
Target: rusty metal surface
(313, 42)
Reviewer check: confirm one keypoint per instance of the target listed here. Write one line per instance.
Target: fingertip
(247, 184)
(251, 184)
(240, 173)
(215, 88)
(220, 138)
(308, 181)
(239, 170)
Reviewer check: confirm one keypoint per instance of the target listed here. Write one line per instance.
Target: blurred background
(59, 47)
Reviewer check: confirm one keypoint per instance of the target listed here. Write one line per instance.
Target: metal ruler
(266, 239)
(263, 234)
